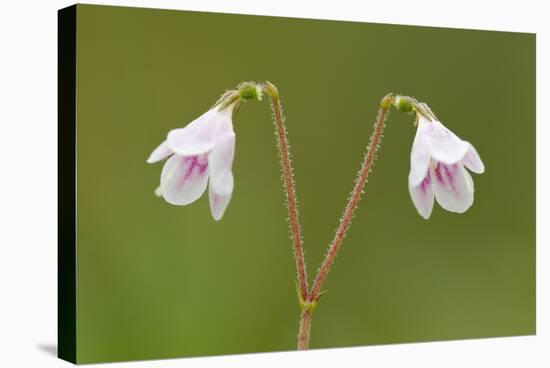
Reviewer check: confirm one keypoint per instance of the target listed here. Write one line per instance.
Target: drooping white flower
(200, 154)
(438, 161)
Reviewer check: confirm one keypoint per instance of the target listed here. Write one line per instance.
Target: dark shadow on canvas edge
(48, 348)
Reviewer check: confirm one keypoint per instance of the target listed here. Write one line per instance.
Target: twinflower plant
(200, 155)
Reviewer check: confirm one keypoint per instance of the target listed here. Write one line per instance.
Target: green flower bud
(404, 103)
(250, 91)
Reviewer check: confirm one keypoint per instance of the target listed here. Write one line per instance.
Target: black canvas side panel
(66, 247)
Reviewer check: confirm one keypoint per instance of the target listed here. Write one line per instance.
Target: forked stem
(308, 298)
(308, 304)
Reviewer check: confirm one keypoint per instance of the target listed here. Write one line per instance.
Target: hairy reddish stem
(360, 182)
(305, 328)
(286, 168)
(308, 299)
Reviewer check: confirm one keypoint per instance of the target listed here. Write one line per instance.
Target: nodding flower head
(199, 155)
(438, 168)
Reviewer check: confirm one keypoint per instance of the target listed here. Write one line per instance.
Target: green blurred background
(158, 281)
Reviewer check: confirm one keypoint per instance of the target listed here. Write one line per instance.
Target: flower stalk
(288, 181)
(308, 298)
(362, 177)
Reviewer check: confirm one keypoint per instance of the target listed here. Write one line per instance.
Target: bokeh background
(159, 281)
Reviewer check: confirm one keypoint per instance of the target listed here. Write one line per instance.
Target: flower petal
(199, 136)
(221, 161)
(218, 202)
(453, 186)
(472, 161)
(422, 196)
(420, 158)
(184, 179)
(445, 146)
(160, 153)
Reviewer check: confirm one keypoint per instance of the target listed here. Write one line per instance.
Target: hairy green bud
(405, 103)
(250, 91)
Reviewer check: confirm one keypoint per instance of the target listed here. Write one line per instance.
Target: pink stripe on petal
(422, 196)
(450, 175)
(184, 179)
(453, 187)
(426, 184)
(192, 165)
(437, 172)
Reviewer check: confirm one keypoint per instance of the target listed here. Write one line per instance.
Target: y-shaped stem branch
(308, 299)
(309, 304)
(286, 168)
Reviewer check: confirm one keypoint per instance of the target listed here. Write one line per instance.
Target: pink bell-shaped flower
(438, 168)
(199, 154)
